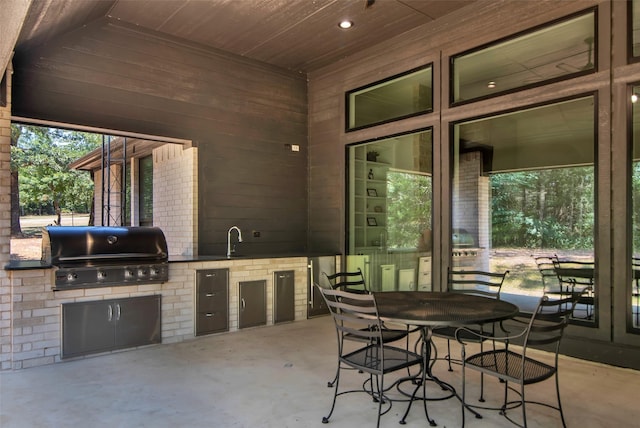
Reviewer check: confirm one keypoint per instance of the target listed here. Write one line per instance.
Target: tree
(16, 230)
(42, 157)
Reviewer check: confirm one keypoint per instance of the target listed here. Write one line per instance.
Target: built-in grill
(96, 256)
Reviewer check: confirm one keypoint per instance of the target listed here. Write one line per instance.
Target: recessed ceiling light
(491, 85)
(346, 24)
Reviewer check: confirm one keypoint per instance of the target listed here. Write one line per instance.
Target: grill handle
(91, 257)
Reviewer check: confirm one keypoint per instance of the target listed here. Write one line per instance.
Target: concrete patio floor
(276, 377)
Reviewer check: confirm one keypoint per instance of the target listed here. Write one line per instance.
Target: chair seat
(508, 366)
(368, 358)
(388, 335)
(450, 334)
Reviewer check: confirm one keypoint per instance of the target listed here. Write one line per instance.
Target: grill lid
(67, 246)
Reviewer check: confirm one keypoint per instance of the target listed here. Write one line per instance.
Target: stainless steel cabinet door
(253, 303)
(284, 300)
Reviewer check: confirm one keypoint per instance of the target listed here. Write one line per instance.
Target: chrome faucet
(229, 239)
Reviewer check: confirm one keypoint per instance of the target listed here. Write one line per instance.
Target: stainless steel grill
(94, 256)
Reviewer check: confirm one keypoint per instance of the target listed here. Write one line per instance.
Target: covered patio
(273, 377)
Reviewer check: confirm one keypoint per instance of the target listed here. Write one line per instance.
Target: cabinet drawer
(211, 322)
(212, 302)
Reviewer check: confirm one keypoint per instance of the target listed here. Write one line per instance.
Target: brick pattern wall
(32, 329)
(175, 207)
(5, 225)
(471, 209)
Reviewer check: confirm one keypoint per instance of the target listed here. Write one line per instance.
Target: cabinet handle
(109, 313)
(118, 311)
(311, 289)
(209, 314)
(210, 294)
(243, 303)
(209, 275)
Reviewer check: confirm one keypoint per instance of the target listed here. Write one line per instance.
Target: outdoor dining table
(437, 309)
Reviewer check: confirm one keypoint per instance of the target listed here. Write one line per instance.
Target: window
(146, 191)
(634, 26)
(389, 210)
(402, 96)
(523, 186)
(559, 51)
(634, 314)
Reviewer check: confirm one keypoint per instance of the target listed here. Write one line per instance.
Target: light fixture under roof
(634, 98)
(345, 24)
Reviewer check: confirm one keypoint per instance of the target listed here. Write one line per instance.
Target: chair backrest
(355, 316)
(577, 274)
(546, 267)
(635, 271)
(347, 281)
(551, 317)
(476, 282)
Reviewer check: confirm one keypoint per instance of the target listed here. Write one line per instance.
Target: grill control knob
(102, 275)
(71, 276)
(128, 273)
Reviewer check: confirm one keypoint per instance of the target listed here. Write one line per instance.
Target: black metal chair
(361, 347)
(545, 327)
(635, 291)
(348, 281)
(551, 284)
(479, 283)
(354, 282)
(577, 275)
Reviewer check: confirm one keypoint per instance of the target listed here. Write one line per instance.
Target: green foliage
(408, 208)
(42, 157)
(551, 208)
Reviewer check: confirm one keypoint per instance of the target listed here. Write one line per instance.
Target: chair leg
(524, 407)
(464, 390)
(380, 385)
(449, 354)
(336, 381)
(559, 403)
(331, 383)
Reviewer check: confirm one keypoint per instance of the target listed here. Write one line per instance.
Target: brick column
(5, 226)
(472, 207)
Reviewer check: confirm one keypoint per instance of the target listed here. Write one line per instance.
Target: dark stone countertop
(26, 265)
(37, 264)
(213, 258)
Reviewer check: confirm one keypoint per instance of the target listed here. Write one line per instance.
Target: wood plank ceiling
(298, 35)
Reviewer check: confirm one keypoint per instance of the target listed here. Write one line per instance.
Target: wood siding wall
(240, 114)
(473, 26)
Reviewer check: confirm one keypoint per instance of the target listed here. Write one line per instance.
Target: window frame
(529, 31)
(347, 102)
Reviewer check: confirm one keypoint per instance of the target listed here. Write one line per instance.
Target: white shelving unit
(369, 216)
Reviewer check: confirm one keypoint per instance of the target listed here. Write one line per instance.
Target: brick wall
(472, 210)
(175, 197)
(32, 330)
(5, 225)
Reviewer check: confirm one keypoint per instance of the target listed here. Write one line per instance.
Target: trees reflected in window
(523, 186)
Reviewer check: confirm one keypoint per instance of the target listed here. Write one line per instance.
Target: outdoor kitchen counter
(37, 264)
(216, 258)
(26, 265)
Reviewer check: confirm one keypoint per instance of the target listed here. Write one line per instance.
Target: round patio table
(433, 309)
(436, 309)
